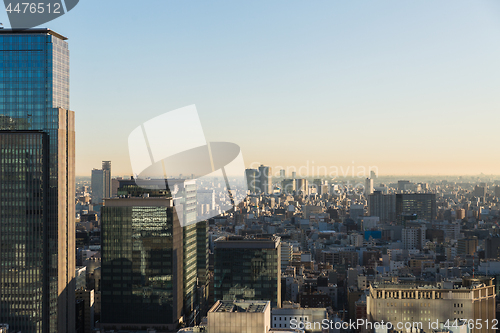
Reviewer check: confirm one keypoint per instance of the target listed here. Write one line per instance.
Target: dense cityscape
(251, 248)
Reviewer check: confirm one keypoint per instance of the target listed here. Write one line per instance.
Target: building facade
(382, 206)
(423, 205)
(37, 183)
(450, 300)
(97, 184)
(248, 268)
(142, 263)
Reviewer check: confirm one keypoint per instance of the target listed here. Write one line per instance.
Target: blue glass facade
(34, 96)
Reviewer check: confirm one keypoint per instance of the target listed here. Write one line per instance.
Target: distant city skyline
(409, 87)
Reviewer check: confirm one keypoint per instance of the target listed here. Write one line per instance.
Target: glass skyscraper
(37, 183)
(248, 268)
(149, 261)
(142, 254)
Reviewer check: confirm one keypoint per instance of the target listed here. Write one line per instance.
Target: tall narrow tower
(37, 183)
(106, 169)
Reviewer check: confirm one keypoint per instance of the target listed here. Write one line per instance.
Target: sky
(411, 88)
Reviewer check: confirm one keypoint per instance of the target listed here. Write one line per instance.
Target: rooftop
(241, 306)
(9, 31)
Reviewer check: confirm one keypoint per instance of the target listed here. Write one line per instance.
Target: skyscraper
(142, 255)
(106, 169)
(266, 182)
(101, 183)
(37, 183)
(145, 247)
(97, 185)
(368, 186)
(253, 180)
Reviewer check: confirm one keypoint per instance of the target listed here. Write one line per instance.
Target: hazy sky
(409, 87)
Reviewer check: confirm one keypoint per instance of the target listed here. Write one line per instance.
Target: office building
(403, 185)
(202, 253)
(144, 241)
(106, 170)
(470, 298)
(142, 263)
(253, 180)
(492, 250)
(266, 179)
(37, 183)
(101, 183)
(282, 173)
(382, 206)
(87, 300)
(422, 205)
(368, 187)
(248, 268)
(97, 185)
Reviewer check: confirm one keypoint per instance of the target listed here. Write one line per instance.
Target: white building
(298, 317)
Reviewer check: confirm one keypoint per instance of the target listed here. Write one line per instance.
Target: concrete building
(383, 206)
(467, 245)
(240, 316)
(87, 296)
(287, 318)
(368, 187)
(413, 238)
(423, 303)
(422, 205)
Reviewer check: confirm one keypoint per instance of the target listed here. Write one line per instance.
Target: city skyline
(410, 88)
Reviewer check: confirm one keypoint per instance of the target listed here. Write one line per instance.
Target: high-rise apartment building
(37, 183)
(383, 206)
(253, 180)
(106, 168)
(423, 205)
(266, 180)
(248, 268)
(413, 238)
(368, 186)
(97, 184)
(101, 183)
